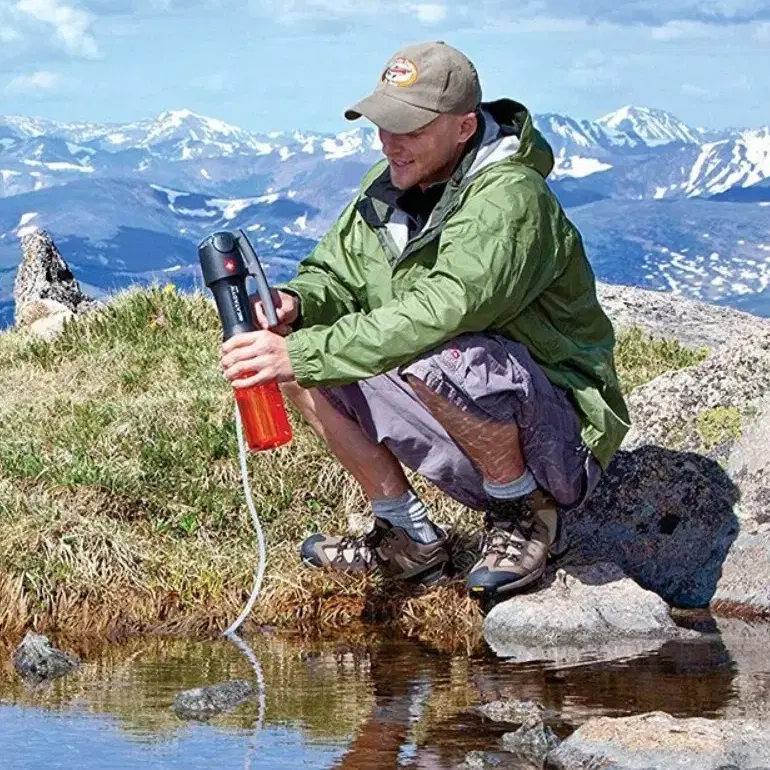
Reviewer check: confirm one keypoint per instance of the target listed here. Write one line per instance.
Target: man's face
(428, 155)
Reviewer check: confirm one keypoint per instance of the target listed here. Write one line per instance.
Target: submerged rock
(658, 741)
(205, 702)
(515, 712)
(590, 610)
(490, 760)
(37, 661)
(532, 741)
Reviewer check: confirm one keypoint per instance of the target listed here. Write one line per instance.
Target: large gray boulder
(684, 509)
(665, 517)
(45, 286)
(583, 611)
(657, 741)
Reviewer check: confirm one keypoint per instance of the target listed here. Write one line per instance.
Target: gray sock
(510, 490)
(409, 512)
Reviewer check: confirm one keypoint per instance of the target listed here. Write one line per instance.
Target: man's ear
(468, 126)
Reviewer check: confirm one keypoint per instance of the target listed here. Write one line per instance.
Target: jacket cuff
(296, 348)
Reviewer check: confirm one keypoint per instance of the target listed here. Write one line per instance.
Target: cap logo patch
(400, 72)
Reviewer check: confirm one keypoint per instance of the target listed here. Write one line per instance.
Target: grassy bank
(120, 501)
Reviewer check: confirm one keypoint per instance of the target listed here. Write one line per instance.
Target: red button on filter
(230, 265)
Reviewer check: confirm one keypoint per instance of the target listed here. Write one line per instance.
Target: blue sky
(281, 64)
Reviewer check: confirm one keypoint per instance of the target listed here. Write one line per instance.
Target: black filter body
(227, 260)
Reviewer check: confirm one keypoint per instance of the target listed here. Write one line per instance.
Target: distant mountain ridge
(128, 202)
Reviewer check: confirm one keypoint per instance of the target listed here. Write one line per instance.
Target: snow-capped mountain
(647, 127)
(129, 202)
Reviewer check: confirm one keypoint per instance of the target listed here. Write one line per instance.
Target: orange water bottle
(226, 262)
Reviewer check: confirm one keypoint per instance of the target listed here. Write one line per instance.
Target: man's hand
(256, 358)
(286, 308)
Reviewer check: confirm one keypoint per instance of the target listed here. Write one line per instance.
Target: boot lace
(362, 546)
(509, 525)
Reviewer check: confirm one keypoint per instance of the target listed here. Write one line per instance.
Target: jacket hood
(510, 133)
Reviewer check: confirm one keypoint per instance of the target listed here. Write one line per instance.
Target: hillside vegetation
(121, 507)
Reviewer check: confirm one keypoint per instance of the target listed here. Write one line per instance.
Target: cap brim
(391, 114)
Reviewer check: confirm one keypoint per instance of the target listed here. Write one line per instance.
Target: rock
(662, 314)
(749, 466)
(657, 741)
(204, 702)
(50, 327)
(586, 610)
(702, 408)
(514, 711)
(44, 275)
(744, 583)
(664, 517)
(489, 760)
(532, 741)
(36, 660)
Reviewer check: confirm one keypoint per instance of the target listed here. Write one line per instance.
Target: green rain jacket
(498, 254)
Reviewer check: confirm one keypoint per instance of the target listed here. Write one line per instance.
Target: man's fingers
(249, 366)
(238, 341)
(259, 378)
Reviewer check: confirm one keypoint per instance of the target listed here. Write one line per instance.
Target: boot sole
(486, 594)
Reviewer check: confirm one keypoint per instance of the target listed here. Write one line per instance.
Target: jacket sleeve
(321, 283)
(496, 253)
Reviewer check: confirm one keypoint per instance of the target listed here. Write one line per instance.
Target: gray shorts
(492, 377)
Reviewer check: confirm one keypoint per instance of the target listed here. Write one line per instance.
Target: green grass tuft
(639, 357)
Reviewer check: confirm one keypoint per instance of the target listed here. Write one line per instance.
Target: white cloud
(71, 25)
(681, 30)
(216, 82)
(594, 70)
(9, 35)
(429, 13)
(698, 92)
(35, 81)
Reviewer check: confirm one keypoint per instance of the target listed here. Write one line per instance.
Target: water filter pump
(226, 261)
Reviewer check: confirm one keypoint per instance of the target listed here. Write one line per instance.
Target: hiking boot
(386, 548)
(515, 547)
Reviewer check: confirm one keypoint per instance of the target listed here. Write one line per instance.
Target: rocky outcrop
(695, 324)
(36, 661)
(46, 293)
(702, 408)
(684, 507)
(658, 741)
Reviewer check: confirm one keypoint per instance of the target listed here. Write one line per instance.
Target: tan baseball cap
(419, 83)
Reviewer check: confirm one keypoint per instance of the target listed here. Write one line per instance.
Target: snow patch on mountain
(649, 126)
(576, 166)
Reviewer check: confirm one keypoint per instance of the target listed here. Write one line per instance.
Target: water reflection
(377, 703)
